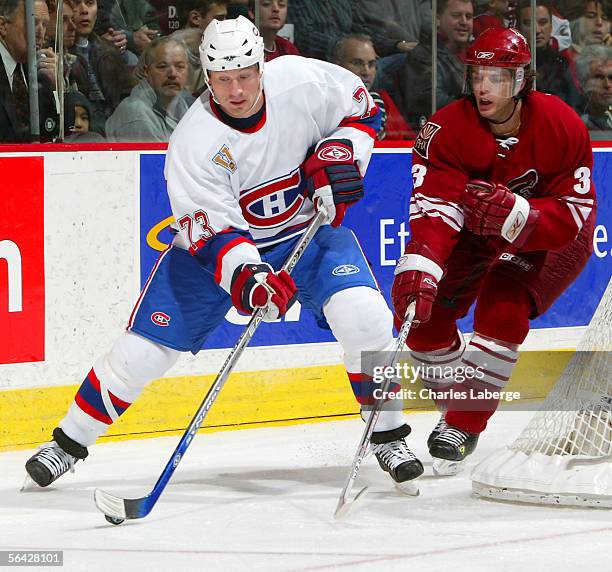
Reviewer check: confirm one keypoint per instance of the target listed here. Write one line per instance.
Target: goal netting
(564, 455)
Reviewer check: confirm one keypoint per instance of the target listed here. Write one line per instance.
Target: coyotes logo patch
(426, 134)
(525, 184)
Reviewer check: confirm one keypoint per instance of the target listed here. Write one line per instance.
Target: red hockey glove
(493, 209)
(258, 286)
(333, 178)
(416, 280)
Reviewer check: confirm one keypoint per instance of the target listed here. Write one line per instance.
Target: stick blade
(345, 507)
(110, 505)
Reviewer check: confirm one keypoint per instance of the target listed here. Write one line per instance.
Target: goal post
(564, 454)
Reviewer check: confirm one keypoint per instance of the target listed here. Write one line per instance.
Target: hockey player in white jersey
(246, 168)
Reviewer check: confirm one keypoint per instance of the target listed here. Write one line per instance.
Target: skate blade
(408, 488)
(28, 485)
(444, 468)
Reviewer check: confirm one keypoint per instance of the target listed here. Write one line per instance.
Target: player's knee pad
(361, 321)
(132, 363)
(436, 367)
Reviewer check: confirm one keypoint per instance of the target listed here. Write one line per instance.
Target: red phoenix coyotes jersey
(549, 163)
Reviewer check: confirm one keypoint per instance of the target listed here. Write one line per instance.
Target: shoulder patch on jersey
(426, 134)
(224, 159)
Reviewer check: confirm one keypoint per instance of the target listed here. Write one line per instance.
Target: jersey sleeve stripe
(370, 124)
(436, 214)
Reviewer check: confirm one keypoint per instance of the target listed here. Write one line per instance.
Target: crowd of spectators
(130, 72)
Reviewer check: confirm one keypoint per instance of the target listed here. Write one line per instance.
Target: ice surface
(263, 499)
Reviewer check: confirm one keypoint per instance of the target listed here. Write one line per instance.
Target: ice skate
(394, 456)
(440, 426)
(450, 448)
(53, 459)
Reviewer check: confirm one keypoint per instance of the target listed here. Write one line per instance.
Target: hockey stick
(344, 503)
(117, 509)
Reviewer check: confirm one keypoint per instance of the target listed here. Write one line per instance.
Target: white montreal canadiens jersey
(233, 191)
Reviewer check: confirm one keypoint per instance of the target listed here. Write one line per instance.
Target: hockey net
(564, 455)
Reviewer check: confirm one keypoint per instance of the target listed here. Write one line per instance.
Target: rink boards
(78, 236)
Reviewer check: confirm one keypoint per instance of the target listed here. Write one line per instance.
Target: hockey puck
(114, 520)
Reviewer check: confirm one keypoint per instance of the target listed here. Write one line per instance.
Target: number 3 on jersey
(418, 175)
(583, 186)
(188, 224)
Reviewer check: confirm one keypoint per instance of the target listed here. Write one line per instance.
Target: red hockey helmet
(499, 47)
(497, 59)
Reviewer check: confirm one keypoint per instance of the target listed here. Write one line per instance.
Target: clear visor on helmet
(495, 81)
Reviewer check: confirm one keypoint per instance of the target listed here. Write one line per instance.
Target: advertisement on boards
(22, 261)
(380, 223)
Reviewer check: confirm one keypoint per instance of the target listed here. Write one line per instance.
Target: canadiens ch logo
(346, 270)
(160, 319)
(273, 203)
(525, 184)
(426, 134)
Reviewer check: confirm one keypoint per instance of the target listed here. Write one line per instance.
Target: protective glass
(499, 82)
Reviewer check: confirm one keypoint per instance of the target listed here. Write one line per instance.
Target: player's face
(360, 58)
(238, 91)
(493, 89)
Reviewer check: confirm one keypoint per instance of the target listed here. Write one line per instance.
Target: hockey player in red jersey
(502, 214)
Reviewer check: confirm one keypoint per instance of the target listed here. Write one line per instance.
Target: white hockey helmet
(231, 44)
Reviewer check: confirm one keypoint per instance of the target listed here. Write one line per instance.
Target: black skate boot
(394, 456)
(440, 426)
(453, 444)
(55, 458)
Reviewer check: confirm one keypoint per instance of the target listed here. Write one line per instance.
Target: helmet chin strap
(258, 95)
(516, 101)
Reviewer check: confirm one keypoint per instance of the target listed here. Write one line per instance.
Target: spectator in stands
(104, 78)
(199, 13)
(14, 99)
(493, 14)
(319, 24)
(454, 23)
(237, 8)
(272, 17)
(191, 37)
(591, 27)
(69, 37)
(158, 102)
(594, 67)
(135, 19)
(553, 74)
(77, 120)
(356, 53)
(394, 25)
